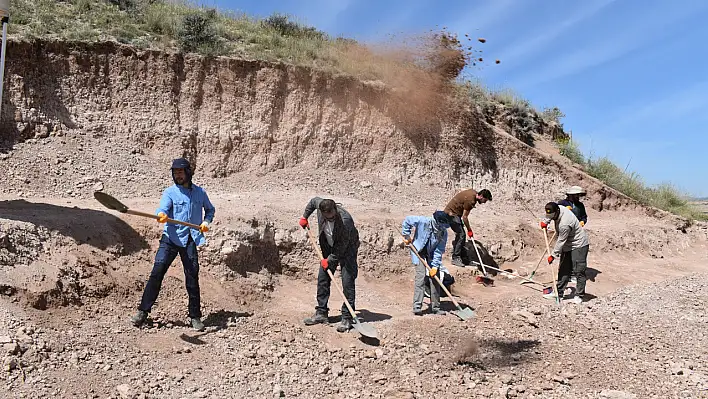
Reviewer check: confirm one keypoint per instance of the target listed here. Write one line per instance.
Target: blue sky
(630, 75)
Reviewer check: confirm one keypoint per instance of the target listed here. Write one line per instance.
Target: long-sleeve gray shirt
(570, 235)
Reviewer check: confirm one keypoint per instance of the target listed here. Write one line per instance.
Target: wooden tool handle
(555, 286)
(151, 216)
(331, 276)
(412, 248)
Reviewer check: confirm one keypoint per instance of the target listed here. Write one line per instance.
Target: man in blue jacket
(183, 201)
(429, 240)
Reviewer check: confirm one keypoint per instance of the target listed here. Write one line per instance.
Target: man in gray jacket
(339, 242)
(572, 248)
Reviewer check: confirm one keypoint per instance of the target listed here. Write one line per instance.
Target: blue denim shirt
(426, 236)
(185, 204)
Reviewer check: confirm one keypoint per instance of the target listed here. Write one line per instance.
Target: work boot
(319, 318)
(438, 312)
(139, 318)
(417, 312)
(458, 262)
(345, 325)
(197, 324)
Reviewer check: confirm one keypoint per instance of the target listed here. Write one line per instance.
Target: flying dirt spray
(5, 18)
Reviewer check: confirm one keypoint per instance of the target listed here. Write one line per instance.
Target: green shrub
(569, 149)
(198, 33)
(553, 115)
(285, 27)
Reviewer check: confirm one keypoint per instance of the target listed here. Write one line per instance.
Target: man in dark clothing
(572, 202)
(459, 209)
(339, 241)
(182, 201)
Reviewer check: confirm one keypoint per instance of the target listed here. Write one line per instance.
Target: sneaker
(458, 262)
(417, 312)
(574, 280)
(548, 293)
(576, 300)
(197, 324)
(139, 318)
(318, 318)
(344, 326)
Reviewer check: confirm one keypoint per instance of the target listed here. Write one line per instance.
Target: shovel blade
(365, 329)
(109, 202)
(464, 313)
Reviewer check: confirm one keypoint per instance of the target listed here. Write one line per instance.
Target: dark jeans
(349, 270)
(166, 254)
(458, 244)
(574, 263)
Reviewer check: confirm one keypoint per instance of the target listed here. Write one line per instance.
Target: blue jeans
(166, 254)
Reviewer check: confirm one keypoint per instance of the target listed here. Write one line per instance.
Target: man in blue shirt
(429, 240)
(183, 201)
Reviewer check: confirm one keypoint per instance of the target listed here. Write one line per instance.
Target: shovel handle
(151, 216)
(449, 295)
(484, 270)
(331, 276)
(555, 287)
(544, 254)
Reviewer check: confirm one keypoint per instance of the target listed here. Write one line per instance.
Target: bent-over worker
(339, 242)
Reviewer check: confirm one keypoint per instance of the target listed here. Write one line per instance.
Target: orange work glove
(407, 240)
(204, 227)
(433, 271)
(303, 223)
(582, 224)
(161, 217)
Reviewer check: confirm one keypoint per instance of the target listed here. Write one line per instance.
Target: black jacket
(578, 208)
(344, 234)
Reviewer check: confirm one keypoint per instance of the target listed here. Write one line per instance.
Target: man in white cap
(572, 202)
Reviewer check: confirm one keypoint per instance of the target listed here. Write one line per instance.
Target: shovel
(486, 280)
(509, 274)
(462, 313)
(112, 203)
(364, 329)
(533, 273)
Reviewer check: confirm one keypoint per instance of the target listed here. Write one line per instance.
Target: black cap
(441, 217)
(552, 209)
(180, 163)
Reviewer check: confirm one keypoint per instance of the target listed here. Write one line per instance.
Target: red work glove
(544, 225)
(550, 259)
(303, 223)
(324, 264)
(470, 234)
